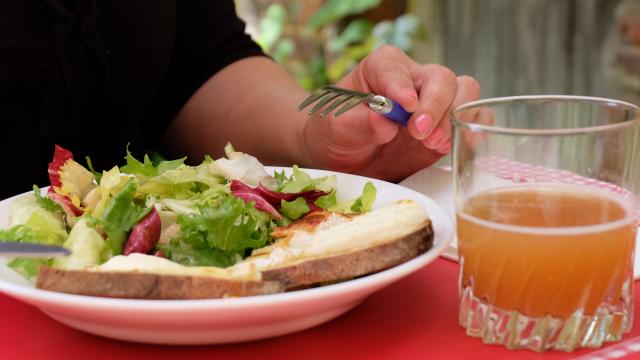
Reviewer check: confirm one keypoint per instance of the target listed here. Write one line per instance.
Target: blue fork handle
(398, 114)
(390, 109)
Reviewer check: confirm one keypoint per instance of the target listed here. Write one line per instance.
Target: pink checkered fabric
(519, 172)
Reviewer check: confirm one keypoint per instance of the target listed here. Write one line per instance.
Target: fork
(349, 99)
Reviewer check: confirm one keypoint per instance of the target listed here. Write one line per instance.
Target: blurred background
(512, 47)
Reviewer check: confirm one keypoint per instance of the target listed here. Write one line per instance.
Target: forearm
(250, 103)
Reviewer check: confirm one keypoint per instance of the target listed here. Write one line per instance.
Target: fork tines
(326, 94)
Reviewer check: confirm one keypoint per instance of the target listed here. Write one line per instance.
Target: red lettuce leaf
(60, 157)
(269, 200)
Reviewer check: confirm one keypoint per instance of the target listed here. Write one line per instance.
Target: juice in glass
(556, 252)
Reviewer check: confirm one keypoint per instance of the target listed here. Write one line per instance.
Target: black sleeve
(209, 36)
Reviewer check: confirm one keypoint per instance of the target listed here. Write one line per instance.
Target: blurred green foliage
(333, 40)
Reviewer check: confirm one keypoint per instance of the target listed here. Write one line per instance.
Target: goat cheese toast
(321, 248)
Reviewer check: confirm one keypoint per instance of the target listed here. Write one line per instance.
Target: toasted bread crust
(138, 285)
(353, 264)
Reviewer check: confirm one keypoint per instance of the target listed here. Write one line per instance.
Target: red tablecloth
(413, 318)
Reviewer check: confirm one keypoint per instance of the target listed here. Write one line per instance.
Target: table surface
(413, 318)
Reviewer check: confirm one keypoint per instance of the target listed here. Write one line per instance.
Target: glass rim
(477, 128)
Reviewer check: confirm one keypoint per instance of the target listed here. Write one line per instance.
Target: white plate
(230, 320)
(437, 183)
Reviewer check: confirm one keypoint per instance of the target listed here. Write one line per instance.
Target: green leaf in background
(272, 26)
(357, 31)
(349, 58)
(294, 209)
(283, 49)
(334, 10)
(401, 32)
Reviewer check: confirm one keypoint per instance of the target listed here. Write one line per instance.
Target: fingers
(428, 91)
(439, 105)
(437, 87)
(387, 71)
(468, 90)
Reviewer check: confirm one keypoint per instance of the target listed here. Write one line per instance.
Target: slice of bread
(321, 248)
(332, 247)
(145, 285)
(140, 276)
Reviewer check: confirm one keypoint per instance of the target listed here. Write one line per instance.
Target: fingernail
(423, 123)
(435, 139)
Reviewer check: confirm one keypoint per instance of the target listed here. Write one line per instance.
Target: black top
(94, 75)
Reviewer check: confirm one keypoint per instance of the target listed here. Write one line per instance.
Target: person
(184, 78)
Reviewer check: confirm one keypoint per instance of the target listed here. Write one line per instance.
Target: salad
(212, 214)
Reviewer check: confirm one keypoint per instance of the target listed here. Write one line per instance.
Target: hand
(364, 142)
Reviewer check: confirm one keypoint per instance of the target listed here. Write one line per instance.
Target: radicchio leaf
(260, 202)
(145, 234)
(269, 201)
(60, 157)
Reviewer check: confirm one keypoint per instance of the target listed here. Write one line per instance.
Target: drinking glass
(547, 215)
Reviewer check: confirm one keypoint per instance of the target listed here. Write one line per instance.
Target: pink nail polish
(423, 123)
(435, 139)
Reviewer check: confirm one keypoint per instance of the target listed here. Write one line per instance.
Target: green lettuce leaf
(361, 204)
(178, 183)
(97, 175)
(49, 226)
(187, 255)
(86, 245)
(294, 209)
(45, 202)
(120, 215)
(28, 268)
(229, 149)
(365, 202)
(167, 165)
(134, 166)
(301, 181)
(221, 233)
(327, 201)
